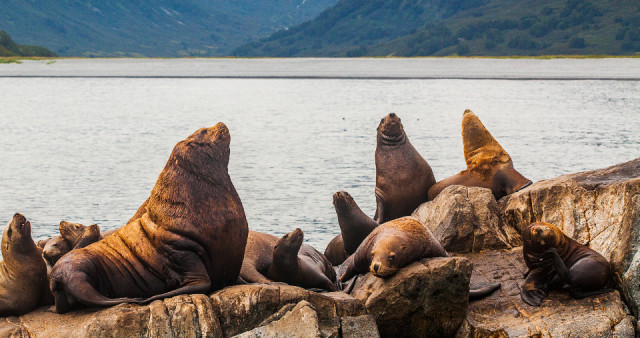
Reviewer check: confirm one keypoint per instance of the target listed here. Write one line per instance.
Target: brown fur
(23, 274)
(190, 240)
(587, 270)
(488, 164)
(355, 226)
(392, 246)
(403, 177)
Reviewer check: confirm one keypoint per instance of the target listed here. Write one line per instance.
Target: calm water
(89, 149)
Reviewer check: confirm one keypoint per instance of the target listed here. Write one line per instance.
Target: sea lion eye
(392, 256)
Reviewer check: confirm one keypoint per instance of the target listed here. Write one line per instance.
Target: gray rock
(361, 326)
(599, 208)
(467, 219)
(504, 314)
(299, 321)
(427, 298)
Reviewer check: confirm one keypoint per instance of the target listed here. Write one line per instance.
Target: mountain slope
(480, 27)
(9, 48)
(150, 27)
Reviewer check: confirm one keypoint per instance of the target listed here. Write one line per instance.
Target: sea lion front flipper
(475, 294)
(379, 215)
(535, 288)
(251, 275)
(559, 265)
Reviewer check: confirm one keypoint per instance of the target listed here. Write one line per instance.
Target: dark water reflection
(89, 150)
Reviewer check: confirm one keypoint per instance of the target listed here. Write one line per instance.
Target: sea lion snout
(391, 126)
(375, 266)
(21, 224)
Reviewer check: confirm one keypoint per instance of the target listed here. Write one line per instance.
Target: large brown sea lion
(488, 164)
(557, 261)
(394, 245)
(355, 226)
(403, 177)
(190, 240)
(23, 274)
(270, 259)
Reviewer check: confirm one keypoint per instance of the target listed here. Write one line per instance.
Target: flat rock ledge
(504, 314)
(225, 313)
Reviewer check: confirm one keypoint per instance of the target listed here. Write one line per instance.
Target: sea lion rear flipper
(85, 294)
(475, 294)
(535, 288)
(194, 287)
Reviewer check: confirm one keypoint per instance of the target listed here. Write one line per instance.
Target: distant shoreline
(563, 68)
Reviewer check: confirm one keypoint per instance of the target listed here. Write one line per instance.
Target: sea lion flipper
(483, 292)
(86, 294)
(561, 268)
(379, 215)
(253, 276)
(534, 289)
(202, 286)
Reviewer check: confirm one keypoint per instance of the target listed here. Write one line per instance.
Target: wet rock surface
(467, 219)
(599, 208)
(427, 298)
(504, 314)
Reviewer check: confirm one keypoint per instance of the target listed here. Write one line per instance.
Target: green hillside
(479, 27)
(151, 27)
(10, 48)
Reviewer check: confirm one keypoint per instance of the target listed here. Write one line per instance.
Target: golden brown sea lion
(488, 164)
(394, 245)
(190, 240)
(403, 177)
(308, 269)
(557, 261)
(23, 274)
(355, 226)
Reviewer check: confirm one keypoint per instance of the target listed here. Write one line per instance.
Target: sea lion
(23, 274)
(190, 240)
(488, 164)
(394, 245)
(558, 261)
(301, 265)
(355, 226)
(56, 247)
(310, 269)
(403, 177)
(79, 235)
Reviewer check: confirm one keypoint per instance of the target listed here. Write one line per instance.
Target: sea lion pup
(394, 245)
(23, 274)
(488, 164)
(304, 270)
(190, 240)
(301, 265)
(79, 235)
(558, 261)
(355, 226)
(55, 248)
(403, 177)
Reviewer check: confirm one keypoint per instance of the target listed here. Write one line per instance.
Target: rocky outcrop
(599, 208)
(504, 314)
(427, 298)
(225, 313)
(467, 219)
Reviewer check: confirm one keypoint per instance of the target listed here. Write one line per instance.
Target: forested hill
(9, 48)
(151, 27)
(476, 27)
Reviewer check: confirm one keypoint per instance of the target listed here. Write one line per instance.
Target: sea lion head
(287, 247)
(541, 236)
(480, 147)
(204, 148)
(342, 201)
(17, 236)
(388, 255)
(390, 129)
(55, 248)
(71, 231)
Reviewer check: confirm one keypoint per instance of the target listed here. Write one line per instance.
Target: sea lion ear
(479, 144)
